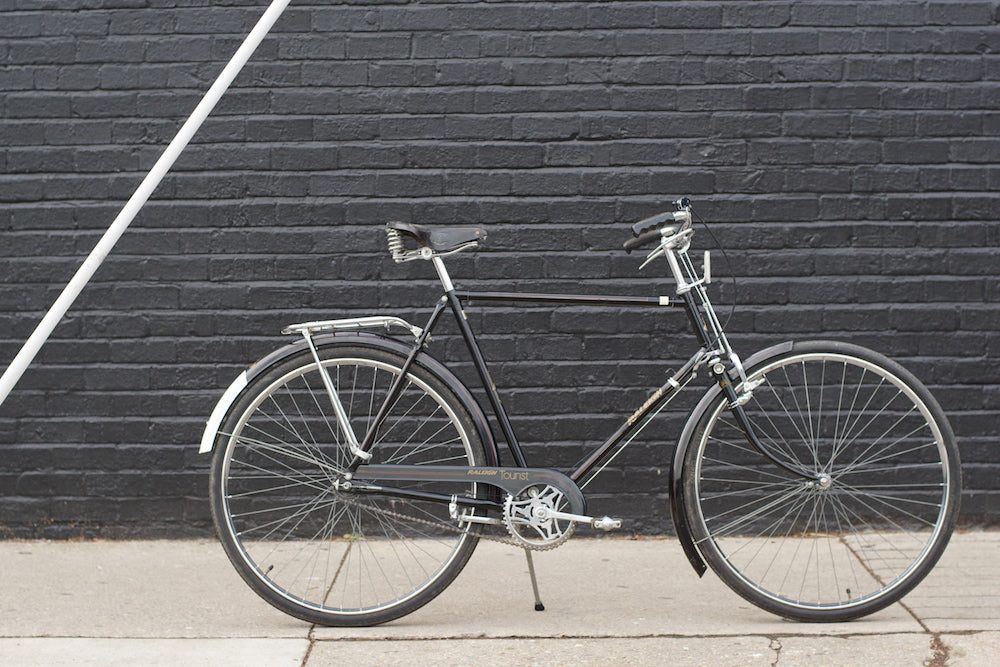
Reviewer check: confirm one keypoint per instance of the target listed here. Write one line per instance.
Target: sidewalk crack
(775, 645)
(311, 636)
(941, 651)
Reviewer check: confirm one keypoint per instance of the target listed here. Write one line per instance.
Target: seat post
(443, 274)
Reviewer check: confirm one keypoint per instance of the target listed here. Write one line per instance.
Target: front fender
(677, 508)
(360, 339)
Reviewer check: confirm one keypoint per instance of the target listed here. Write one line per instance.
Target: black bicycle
(353, 474)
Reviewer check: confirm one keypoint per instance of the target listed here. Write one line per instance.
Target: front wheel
(296, 533)
(876, 511)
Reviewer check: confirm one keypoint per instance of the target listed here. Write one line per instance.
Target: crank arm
(604, 523)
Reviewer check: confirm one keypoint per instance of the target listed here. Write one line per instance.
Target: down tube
(638, 421)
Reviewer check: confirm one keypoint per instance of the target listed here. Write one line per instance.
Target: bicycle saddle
(439, 239)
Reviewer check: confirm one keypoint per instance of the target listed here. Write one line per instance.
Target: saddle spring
(396, 248)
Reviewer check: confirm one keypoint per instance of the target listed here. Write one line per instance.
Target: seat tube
(484, 377)
(479, 361)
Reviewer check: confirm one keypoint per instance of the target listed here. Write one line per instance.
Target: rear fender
(361, 339)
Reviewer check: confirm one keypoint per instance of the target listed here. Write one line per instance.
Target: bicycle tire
(329, 556)
(870, 529)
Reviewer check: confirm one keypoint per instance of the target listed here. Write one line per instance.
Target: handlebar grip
(653, 222)
(641, 240)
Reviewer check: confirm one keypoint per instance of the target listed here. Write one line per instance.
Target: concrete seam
(774, 639)
(311, 636)
(941, 651)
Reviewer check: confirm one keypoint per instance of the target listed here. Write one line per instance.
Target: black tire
(874, 526)
(334, 557)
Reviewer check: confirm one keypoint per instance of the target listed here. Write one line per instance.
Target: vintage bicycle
(353, 474)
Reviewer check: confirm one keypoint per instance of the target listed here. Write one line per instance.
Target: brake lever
(660, 251)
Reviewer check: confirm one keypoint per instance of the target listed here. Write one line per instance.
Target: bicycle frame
(454, 299)
(724, 366)
(714, 353)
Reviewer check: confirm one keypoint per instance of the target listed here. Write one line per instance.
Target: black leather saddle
(439, 239)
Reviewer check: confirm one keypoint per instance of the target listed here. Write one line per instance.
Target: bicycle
(353, 474)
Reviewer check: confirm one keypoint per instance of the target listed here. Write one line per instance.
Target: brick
(950, 124)
(621, 16)
(366, 47)
(904, 13)
(683, 15)
(967, 13)
(760, 98)
(756, 15)
(784, 42)
(825, 14)
(919, 151)
(948, 69)
(802, 68)
(973, 150)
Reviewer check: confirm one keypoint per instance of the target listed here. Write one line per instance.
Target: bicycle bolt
(719, 368)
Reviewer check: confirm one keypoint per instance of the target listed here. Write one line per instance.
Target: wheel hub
(822, 482)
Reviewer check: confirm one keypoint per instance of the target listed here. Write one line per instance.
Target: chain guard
(510, 480)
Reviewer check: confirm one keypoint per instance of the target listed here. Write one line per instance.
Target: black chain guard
(511, 480)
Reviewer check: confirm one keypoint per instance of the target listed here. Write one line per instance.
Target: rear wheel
(872, 522)
(329, 556)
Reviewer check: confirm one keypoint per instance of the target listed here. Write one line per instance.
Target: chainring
(529, 521)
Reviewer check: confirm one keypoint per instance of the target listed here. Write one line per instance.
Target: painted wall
(845, 153)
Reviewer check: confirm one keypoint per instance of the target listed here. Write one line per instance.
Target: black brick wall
(847, 153)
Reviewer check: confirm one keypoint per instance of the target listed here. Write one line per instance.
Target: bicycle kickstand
(534, 581)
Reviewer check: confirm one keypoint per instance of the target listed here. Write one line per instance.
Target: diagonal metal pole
(139, 197)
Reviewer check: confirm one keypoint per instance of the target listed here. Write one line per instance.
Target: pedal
(606, 523)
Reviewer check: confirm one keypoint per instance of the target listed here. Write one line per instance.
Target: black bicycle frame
(453, 299)
(659, 397)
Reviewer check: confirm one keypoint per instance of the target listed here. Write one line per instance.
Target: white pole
(139, 197)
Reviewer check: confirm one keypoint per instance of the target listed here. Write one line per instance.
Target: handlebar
(654, 227)
(641, 240)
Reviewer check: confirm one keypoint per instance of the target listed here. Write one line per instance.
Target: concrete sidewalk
(609, 601)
